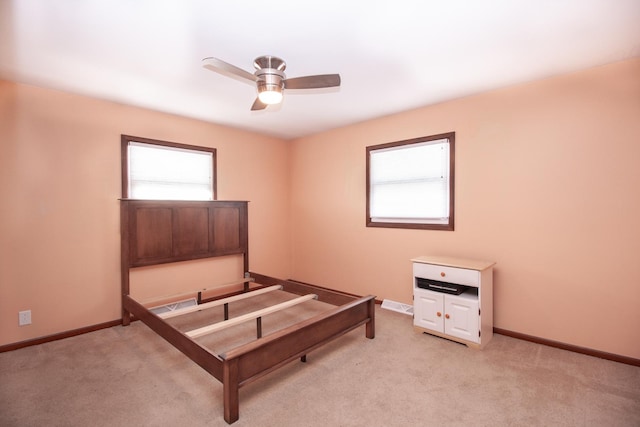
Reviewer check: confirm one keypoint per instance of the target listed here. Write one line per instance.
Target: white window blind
(410, 183)
(169, 173)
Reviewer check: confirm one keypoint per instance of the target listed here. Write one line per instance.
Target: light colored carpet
(129, 376)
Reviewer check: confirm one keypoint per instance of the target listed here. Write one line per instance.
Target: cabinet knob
(446, 316)
(439, 314)
(442, 273)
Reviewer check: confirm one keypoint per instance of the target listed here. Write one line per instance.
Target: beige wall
(59, 216)
(547, 178)
(546, 185)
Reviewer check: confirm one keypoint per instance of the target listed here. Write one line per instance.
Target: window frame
(449, 226)
(124, 152)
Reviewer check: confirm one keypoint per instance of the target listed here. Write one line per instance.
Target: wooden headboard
(160, 231)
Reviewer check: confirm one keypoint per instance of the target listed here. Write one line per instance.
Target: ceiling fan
(270, 79)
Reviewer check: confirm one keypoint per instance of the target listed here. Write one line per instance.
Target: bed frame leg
(259, 327)
(371, 324)
(126, 318)
(230, 391)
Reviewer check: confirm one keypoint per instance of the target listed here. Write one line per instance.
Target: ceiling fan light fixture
(270, 94)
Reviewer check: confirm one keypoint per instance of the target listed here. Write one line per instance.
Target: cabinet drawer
(442, 273)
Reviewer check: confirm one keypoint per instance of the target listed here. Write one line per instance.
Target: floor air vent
(397, 306)
(174, 306)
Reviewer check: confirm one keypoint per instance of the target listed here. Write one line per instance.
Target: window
(162, 170)
(410, 183)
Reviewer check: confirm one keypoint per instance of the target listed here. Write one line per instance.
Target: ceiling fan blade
(258, 105)
(313, 82)
(218, 65)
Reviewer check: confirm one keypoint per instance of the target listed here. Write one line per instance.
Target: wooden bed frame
(157, 232)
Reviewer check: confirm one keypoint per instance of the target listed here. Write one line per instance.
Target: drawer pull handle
(442, 274)
(446, 316)
(439, 314)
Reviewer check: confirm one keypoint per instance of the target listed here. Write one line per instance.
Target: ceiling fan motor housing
(269, 73)
(270, 80)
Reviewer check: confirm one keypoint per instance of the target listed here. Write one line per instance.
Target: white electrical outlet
(24, 317)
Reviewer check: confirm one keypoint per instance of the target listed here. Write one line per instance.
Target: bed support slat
(205, 330)
(216, 303)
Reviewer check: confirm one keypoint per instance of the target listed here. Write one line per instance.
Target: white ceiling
(392, 55)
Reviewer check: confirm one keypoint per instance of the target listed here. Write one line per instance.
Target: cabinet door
(461, 318)
(427, 310)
